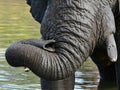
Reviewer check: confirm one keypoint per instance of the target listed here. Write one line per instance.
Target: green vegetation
(16, 22)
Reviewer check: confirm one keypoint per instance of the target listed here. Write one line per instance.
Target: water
(16, 23)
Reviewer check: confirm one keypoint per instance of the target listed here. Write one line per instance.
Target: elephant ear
(38, 8)
(29, 2)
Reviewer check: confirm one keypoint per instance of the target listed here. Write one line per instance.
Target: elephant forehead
(68, 10)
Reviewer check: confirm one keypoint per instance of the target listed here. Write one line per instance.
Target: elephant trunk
(49, 59)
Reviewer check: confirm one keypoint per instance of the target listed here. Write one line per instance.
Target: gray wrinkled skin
(72, 30)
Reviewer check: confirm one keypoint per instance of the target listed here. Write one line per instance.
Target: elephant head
(71, 30)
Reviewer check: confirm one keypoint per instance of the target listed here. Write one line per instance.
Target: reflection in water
(108, 85)
(16, 23)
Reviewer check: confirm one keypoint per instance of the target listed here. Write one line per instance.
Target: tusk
(111, 48)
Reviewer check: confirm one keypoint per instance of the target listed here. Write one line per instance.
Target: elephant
(72, 31)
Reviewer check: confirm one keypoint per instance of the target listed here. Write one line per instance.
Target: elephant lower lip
(26, 69)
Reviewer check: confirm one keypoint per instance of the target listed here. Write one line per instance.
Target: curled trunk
(47, 59)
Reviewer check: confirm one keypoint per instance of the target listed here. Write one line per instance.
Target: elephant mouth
(48, 45)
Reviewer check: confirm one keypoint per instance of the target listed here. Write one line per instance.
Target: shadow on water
(16, 23)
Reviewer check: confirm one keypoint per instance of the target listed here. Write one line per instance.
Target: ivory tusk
(111, 48)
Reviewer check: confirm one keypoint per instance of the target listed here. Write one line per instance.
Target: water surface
(16, 24)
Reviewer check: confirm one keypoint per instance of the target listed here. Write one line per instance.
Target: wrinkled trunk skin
(72, 30)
